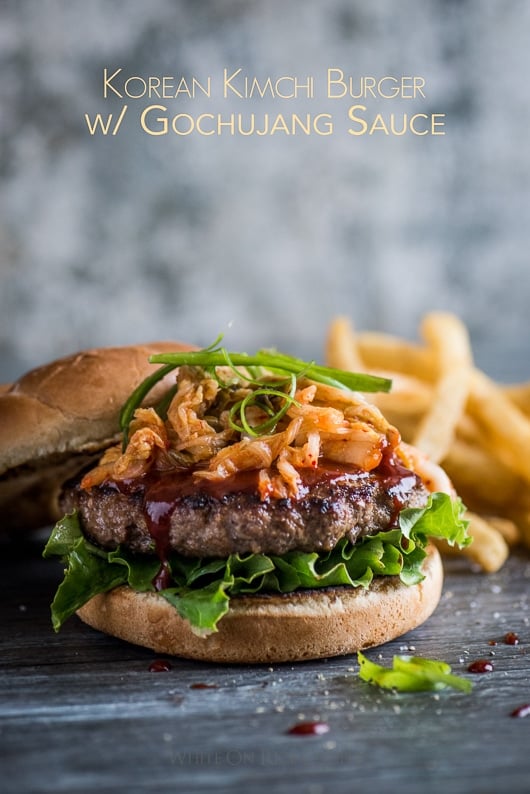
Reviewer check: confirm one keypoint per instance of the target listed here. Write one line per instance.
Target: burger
(238, 508)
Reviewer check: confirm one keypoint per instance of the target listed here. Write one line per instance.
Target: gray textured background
(107, 240)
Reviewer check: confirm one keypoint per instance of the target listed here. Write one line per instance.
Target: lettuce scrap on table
(412, 674)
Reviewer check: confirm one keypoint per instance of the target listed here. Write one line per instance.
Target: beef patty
(205, 519)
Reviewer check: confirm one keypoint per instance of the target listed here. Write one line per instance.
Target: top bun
(57, 417)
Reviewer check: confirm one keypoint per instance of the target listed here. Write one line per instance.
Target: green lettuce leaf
(202, 608)
(442, 517)
(412, 674)
(201, 589)
(87, 573)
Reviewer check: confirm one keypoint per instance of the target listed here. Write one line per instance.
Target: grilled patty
(174, 512)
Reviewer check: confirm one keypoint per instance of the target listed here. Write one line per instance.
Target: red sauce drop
(521, 711)
(511, 638)
(163, 577)
(309, 729)
(481, 666)
(159, 666)
(398, 480)
(203, 686)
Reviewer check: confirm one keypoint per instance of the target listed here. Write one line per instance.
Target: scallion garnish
(265, 362)
(254, 398)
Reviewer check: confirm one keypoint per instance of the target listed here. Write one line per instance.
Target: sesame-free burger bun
(307, 624)
(58, 417)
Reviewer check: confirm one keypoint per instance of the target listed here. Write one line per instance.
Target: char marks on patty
(202, 520)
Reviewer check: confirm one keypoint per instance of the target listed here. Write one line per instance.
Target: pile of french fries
(476, 429)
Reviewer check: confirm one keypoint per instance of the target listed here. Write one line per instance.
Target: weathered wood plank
(81, 712)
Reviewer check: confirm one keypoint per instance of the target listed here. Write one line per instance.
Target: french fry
(469, 431)
(477, 429)
(521, 517)
(507, 528)
(341, 348)
(519, 394)
(488, 550)
(506, 430)
(385, 352)
(409, 397)
(484, 482)
(449, 340)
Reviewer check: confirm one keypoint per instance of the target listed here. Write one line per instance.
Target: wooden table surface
(80, 712)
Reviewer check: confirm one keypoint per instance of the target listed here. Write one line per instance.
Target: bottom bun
(307, 624)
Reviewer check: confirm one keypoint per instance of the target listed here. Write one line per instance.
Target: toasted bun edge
(57, 417)
(73, 403)
(304, 625)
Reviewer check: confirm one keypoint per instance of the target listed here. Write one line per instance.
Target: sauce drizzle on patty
(162, 493)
